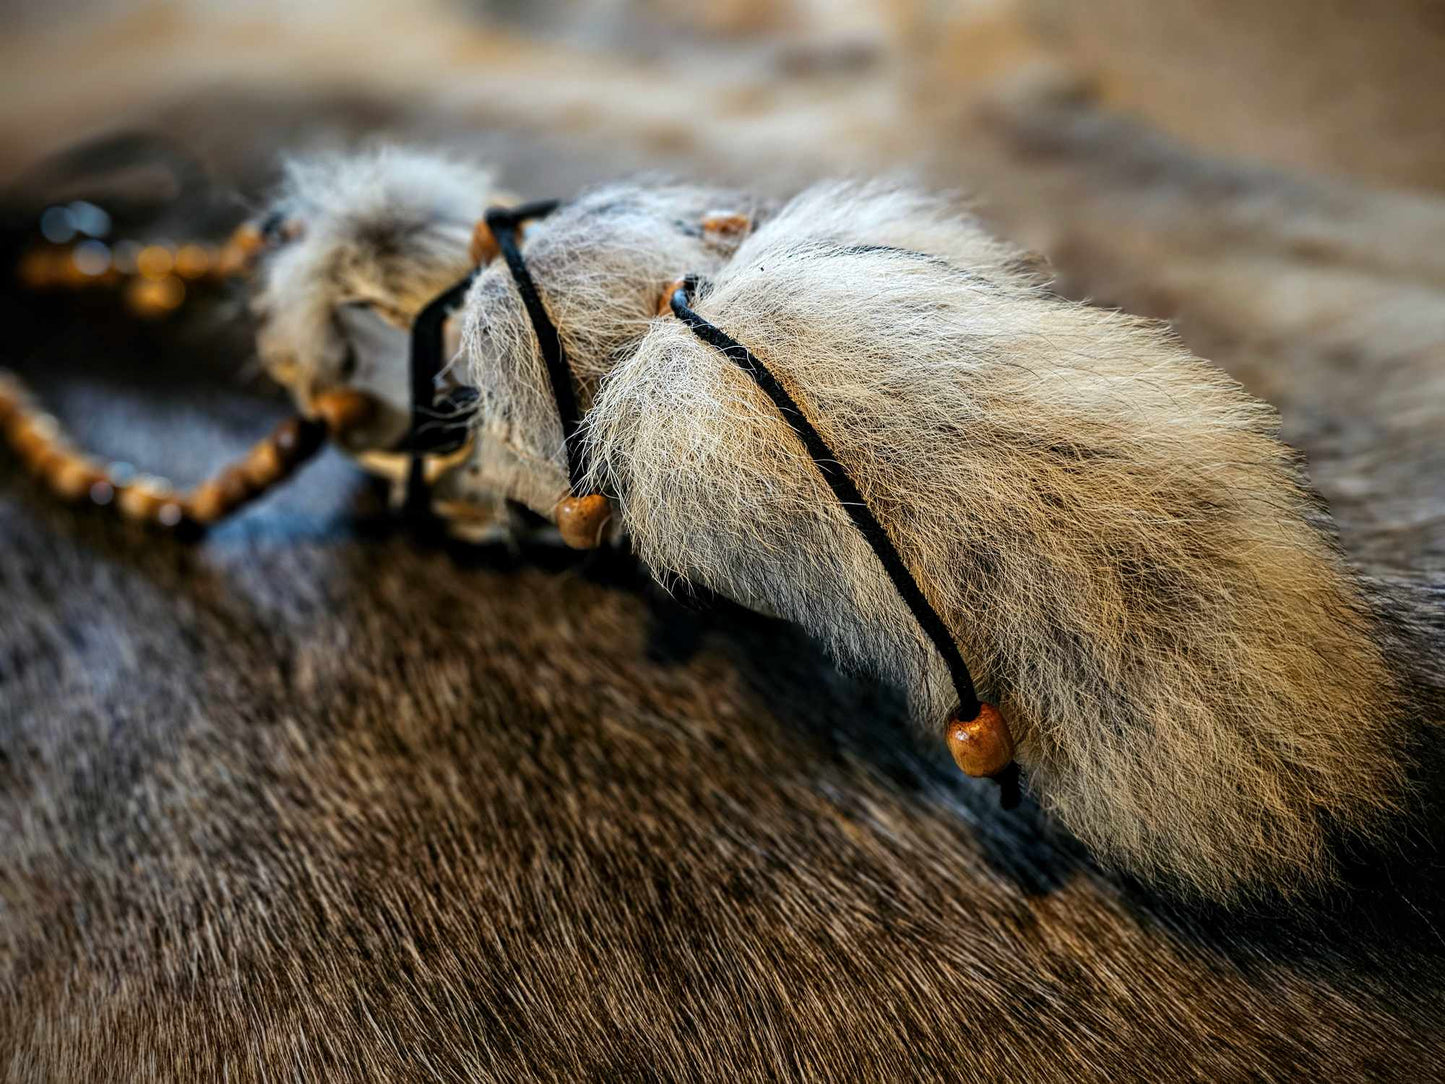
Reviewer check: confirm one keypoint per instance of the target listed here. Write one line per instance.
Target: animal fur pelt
(1133, 563)
(378, 233)
(312, 801)
(599, 262)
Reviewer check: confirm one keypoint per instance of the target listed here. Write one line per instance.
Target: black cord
(424, 361)
(503, 222)
(844, 489)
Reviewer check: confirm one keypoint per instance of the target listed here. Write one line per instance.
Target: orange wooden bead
(581, 520)
(233, 260)
(247, 239)
(153, 297)
(235, 487)
(981, 746)
(12, 397)
(207, 503)
(343, 410)
(263, 465)
(664, 307)
(193, 261)
(483, 248)
(72, 476)
(35, 438)
(726, 223)
(143, 498)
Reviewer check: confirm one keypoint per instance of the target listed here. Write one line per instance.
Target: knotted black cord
(424, 361)
(503, 222)
(843, 488)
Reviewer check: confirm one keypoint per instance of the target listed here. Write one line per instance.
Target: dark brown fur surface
(313, 801)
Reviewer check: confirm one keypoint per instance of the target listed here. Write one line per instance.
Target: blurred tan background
(1340, 86)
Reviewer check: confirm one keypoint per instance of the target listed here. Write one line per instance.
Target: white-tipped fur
(600, 264)
(1133, 564)
(386, 229)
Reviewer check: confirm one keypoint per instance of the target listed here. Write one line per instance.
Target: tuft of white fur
(388, 229)
(1131, 561)
(600, 262)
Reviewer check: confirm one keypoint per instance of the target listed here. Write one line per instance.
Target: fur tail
(1131, 561)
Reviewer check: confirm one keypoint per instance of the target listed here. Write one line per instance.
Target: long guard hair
(1132, 562)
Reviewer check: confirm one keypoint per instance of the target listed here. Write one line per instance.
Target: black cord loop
(424, 362)
(843, 487)
(504, 222)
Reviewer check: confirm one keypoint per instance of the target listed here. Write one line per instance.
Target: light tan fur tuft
(386, 230)
(600, 264)
(1132, 562)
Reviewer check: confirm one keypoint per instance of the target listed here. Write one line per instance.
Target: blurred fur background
(313, 800)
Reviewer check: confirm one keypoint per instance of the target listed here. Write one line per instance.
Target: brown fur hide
(313, 800)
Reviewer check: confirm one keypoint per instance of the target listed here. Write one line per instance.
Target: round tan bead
(155, 261)
(142, 499)
(72, 476)
(12, 397)
(581, 520)
(206, 503)
(726, 223)
(483, 249)
(41, 268)
(35, 438)
(263, 465)
(235, 487)
(664, 307)
(232, 260)
(154, 297)
(247, 239)
(981, 746)
(193, 261)
(342, 410)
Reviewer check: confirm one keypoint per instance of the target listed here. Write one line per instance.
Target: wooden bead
(726, 223)
(41, 268)
(581, 520)
(153, 297)
(12, 398)
(235, 487)
(343, 411)
(35, 438)
(193, 261)
(72, 476)
(247, 239)
(981, 746)
(484, 247)
(263, 465)
(155, 261)
(143, 499)
(664, 307)
(206, 504)
(233, 260)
